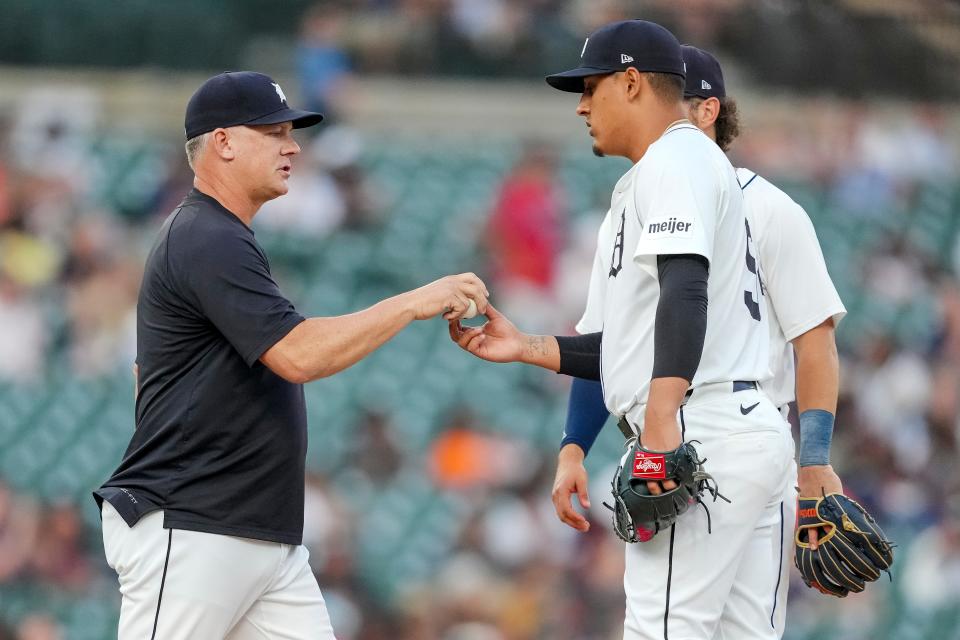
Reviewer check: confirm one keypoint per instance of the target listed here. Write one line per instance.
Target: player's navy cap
(241, 97)
(704, 76)
(643, 45)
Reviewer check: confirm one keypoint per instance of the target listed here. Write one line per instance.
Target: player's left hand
(816, 481)
(661, 437)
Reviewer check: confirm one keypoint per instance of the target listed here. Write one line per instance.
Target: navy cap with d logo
(704, 76)
(646, 46)
(233, 98)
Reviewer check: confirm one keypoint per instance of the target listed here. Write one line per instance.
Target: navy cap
(617, 46)
(241, 97)
(704, 76)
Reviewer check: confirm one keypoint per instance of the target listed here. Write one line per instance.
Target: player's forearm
(663, 403)
(541, 351)
(818, 379)
(586, 415)
(818, 369)
(321, 347)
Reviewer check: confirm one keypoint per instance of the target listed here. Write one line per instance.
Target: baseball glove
(638, 515)
(851, 548)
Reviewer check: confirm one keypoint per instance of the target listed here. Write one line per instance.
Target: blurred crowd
(71, 251)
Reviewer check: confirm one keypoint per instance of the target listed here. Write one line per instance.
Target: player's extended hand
(816, 481)
(498, 340)
(571, 479)
(449, 296)
(664, 436)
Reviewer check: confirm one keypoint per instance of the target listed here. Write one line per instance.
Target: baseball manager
(203, 519)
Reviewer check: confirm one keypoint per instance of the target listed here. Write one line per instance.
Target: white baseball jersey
(799, 292)
(681, 197)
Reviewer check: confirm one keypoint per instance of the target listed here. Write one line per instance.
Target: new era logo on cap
(704, 76)
(624, 58)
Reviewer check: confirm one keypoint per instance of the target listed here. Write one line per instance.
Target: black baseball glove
(638, 515)
(851, 548)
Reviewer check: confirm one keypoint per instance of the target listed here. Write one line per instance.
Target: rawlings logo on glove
(649, 466)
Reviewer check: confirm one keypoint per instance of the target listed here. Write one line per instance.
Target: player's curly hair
(727, 124)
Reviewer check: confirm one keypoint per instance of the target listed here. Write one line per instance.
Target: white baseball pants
(731, 584)
(188, 585)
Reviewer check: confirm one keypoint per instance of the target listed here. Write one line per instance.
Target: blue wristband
(816, 432)
(586, 414)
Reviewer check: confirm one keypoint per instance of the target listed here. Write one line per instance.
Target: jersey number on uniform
(616, 260)
(752, 302)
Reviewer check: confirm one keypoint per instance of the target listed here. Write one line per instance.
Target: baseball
(471, 311)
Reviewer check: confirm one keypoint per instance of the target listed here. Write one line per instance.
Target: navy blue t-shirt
(220, 440)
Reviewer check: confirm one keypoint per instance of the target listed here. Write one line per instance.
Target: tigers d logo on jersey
(616, 260)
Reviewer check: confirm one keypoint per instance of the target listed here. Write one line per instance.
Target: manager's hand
(449, 296)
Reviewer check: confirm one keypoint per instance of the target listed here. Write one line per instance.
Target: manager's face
(264, 158)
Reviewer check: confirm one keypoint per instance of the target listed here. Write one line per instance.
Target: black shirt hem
(172, 521)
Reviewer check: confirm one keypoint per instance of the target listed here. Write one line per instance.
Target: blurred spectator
(524, 237)
(18, 531)
(23, 333)
(932, 575)
(322, 64)
(894, 388)
(328, 189)
(374, 450)
(102, 321)
(39, 627)
(60, 557)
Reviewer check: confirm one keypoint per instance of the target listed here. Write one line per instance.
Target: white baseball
(471, 311)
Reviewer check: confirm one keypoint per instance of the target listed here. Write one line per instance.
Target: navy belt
(738, 385)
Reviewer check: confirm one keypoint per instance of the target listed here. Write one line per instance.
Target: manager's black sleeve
(230, 282)
(681, 322)
(580, 355)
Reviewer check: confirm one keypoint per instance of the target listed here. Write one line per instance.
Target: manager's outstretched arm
(320, 347)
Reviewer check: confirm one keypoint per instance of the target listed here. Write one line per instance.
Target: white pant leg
(183, 585)
(678, 584)
(292, 608)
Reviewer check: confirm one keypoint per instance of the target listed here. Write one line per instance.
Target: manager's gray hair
(194, 146)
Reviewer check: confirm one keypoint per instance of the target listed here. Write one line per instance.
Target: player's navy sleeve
(580, 355)
(681, 323)
(586, 414)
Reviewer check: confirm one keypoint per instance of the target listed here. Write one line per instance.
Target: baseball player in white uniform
(680, 342)
(803, 306)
